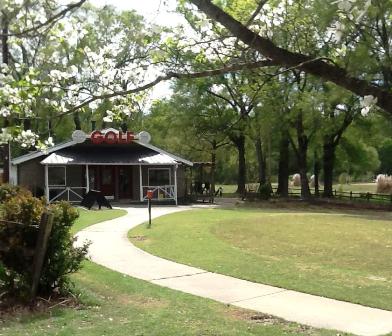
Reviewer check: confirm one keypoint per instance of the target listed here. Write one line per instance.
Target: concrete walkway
(111, 248)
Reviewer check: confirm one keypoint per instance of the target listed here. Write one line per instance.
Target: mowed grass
(118, 305)
(90, 217)
(346, 256)
(115, 304)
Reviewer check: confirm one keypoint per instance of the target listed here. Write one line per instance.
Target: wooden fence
(251, 193)
(28, 242)
(349, 195)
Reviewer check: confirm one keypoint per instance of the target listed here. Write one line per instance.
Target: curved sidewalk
(111, 248)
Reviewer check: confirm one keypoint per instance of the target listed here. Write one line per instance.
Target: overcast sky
(160, 12)
(155, 11)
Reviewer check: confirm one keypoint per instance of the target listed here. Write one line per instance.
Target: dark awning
(108, 155)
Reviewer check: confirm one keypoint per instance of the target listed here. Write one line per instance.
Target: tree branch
(286, 58)
(172, 75)
(53, 18)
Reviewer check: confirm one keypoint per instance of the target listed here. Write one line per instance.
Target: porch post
(175, 184)
(87, 180)
(47, 184)
(141, 183)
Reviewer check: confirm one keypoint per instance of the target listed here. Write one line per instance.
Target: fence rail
(337, 194)
(164, 192)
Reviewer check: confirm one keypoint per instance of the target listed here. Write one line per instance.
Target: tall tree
(318, 65)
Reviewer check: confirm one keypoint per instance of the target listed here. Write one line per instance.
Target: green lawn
(346, 256)
(89, 217)
(115, 304)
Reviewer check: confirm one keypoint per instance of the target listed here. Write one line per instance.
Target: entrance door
(107, 180)
(125, 181)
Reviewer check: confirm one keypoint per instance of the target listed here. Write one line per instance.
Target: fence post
(351, 195)
(45, 228)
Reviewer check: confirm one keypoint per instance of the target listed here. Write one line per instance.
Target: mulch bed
(13, 308)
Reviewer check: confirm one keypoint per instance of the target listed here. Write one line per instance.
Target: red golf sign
(111, 137)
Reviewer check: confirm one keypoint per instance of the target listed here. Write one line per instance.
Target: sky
(155, 11)
(159, 12)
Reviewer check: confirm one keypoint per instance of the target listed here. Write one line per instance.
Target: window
(159, 176)
(56, 176)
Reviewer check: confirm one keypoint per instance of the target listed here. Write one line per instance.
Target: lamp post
(150, 194)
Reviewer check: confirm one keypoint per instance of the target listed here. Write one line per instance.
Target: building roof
(71, 152)
(107, 155)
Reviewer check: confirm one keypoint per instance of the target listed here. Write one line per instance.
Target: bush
(265, 191)
(7, 191)
(384, 184)
(62, 258)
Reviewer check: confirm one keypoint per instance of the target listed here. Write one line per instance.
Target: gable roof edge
(36, 154)
(161, 151)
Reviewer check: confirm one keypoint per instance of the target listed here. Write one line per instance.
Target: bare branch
(256, 12)
(49, 21)
(172, 75)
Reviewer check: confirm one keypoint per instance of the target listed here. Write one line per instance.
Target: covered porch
(116, 182)
(120, 175)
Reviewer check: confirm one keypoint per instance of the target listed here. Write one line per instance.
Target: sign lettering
(111, 137)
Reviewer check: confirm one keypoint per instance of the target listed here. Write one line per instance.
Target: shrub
(7, 191)
(384, 184)
(265, 191)
(344, 178)
(62, 258)
(24, 208)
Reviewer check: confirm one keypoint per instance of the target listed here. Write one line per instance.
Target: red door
(125, 181)
(107, 180)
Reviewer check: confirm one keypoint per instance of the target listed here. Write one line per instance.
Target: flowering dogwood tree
(60, 60)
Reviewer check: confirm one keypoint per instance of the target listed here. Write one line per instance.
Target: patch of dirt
(254, 317)
(138, 238)
(266, 319)
(141, 301)
(10, 308)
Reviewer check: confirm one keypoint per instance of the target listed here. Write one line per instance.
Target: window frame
(156, 169)
(65, 176)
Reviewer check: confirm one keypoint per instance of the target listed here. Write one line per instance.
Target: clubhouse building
(122, 165)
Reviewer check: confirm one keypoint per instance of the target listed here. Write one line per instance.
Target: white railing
(160, 193)
(66, 193)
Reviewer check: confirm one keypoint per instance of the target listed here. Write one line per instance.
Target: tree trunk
(5, 149)
(302, 166)
(213, 166)
(302, 156)
(328, 165)
(316, 175)
(283, 174)
(76, 119)
(239, 142)
(262, 166)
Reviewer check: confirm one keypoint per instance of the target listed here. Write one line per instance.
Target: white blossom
(5, 136)
(5, 112)
(367, 102)
(27, 138)
(49, 142)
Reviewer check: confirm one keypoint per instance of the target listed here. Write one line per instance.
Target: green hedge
(62, 258)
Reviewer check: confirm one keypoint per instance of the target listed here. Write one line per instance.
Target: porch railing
(160, 193)
(70, 194)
